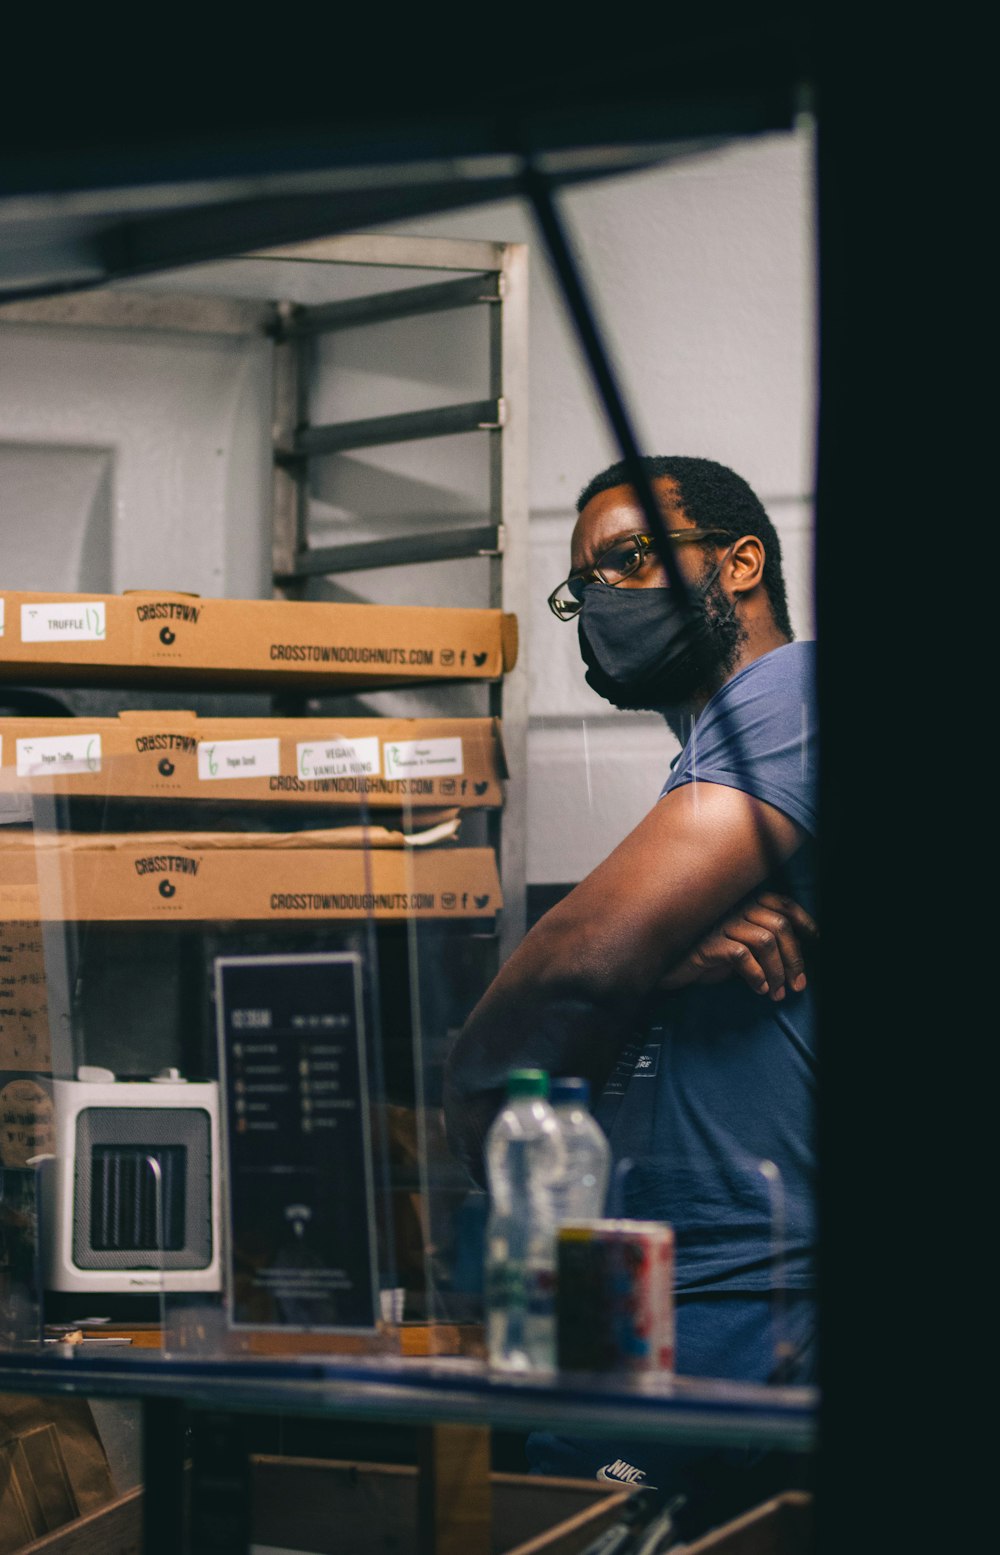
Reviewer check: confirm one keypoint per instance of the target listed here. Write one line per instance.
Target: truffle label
(58, 753)
(82, 621)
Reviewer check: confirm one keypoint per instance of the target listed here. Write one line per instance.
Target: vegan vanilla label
(337, 757)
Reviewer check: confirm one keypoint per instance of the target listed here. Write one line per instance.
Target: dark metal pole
(539, 192)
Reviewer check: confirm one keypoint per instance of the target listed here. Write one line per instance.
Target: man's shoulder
(759, 734)
(765, 700)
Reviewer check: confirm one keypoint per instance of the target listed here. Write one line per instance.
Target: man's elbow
(557, 1005)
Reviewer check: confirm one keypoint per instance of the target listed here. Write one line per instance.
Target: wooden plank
(783, 1526)
(144, 1336)
(415, 1340)
(577, 1532)
(454, 1493)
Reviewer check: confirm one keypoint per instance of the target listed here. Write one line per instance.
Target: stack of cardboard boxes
(345, 765)
(383, 798)
(357, 768)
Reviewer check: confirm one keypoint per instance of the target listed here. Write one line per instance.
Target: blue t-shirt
(721, 1079)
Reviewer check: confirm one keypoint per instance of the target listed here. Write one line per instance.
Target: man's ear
(743, 569)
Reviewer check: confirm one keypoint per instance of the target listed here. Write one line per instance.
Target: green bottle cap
(527, 1082)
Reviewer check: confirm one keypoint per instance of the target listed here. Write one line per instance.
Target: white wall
(130, 460)
(134, 459)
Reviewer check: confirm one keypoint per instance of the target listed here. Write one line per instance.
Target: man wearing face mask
(672, 977)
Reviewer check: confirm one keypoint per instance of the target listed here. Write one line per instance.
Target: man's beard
(694, 676)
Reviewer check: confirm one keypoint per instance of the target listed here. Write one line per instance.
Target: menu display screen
(301, 1244)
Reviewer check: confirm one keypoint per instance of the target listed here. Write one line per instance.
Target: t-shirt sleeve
(759, 734)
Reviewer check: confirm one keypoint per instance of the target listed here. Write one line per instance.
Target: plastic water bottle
(524, 1159)
(582, 1188)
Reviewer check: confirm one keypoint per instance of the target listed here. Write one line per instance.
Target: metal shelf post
(499, 281)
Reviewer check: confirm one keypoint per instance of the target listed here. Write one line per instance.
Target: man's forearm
(572, 992)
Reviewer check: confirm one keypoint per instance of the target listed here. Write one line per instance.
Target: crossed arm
(760, 941)
(571, 993)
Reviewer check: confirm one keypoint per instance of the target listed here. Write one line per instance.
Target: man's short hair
(713, 497)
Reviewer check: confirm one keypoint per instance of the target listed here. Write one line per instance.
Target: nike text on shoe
(621, 1473)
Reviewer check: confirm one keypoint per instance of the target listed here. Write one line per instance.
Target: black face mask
(642, 653)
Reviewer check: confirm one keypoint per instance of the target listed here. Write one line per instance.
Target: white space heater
(131, 1197)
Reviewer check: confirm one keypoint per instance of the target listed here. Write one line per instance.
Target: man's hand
(760, 941)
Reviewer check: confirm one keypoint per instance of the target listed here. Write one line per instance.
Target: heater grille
(129, 1213)
(137, 1198)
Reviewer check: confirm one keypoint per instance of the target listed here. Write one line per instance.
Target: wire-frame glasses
(624, 557)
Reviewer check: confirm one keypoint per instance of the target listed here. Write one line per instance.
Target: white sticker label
(238, 759)
(337, 758)
(80, 622)
(58, 753)
(2, 604)
(423, 758)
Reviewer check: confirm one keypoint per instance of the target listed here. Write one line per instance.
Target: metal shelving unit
(492, 276)
(468, 274)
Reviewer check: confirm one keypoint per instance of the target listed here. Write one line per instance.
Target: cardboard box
(455, 1503)
(53, 1471)
(228, 876)
(154, 638)
(312, 1501)
(25, 1041)
(377, 1508)
(375, 762)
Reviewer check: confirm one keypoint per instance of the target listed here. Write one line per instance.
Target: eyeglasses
(616, 564)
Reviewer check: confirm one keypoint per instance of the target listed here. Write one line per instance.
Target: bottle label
(505, 1286)
(530, 1287)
